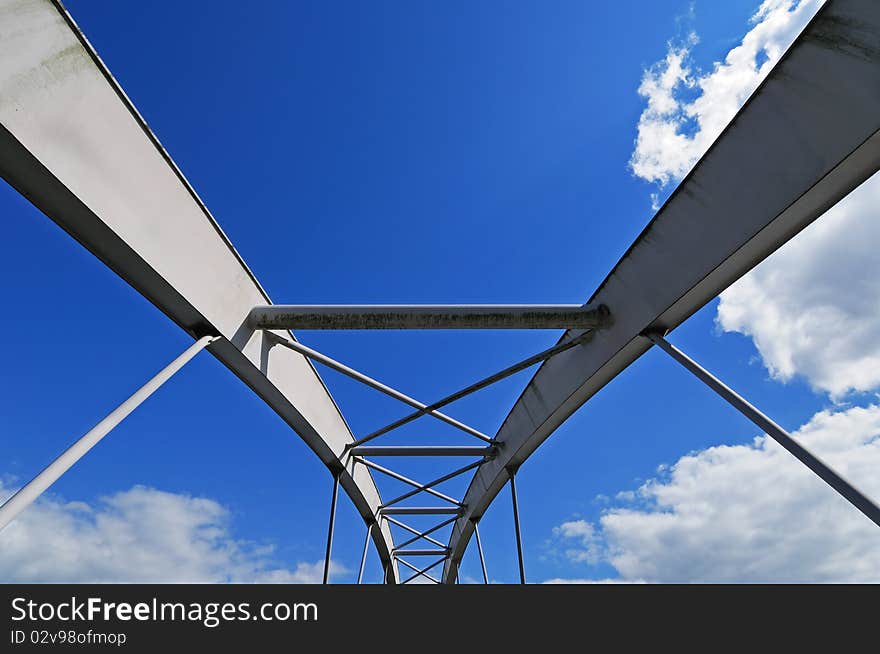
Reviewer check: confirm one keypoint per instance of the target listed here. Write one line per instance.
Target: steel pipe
(364, 555)
(34, 488)
(421, 510)
(433, 482)
(440, 316)
(423, 450)
(852, 494)
(421, 572)
(330, 528)
(377, 385)
(519, 549)
(420, 534)
(483, 383)
(407, 480)
(480, 550)
(419, 552)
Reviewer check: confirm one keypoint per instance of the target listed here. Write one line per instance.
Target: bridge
(806, 138)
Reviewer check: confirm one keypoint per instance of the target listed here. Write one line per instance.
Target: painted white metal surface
(806, 138)
(72, 143)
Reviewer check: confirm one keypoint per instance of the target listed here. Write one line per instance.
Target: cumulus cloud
(583, 534)
(139, 535)
(686, 108)
(812, 308)
(747, 513)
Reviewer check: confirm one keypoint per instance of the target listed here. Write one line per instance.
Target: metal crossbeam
(441, 552)
(852, 494)
(421, 510)
(483, 383)
(423, 450)
(376, 385)
(407, 480)
(423, 316)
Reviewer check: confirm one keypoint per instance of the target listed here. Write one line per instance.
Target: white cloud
(675, 129)
(752, 513)
(139, 535)
(583, 534)
(749, 513)
(812, 308)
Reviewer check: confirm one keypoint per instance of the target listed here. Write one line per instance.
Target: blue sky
(378, 153)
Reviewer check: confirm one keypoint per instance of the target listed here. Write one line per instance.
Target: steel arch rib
(805, 139)
(75, 146)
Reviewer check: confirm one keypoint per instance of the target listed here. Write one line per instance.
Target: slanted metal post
(480, 550)
(364, 555)
(777, 433)
(336, 474)
(35, 487)
(519, 551)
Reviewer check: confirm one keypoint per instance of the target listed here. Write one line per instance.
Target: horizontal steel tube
(421, 510)
(422, 450)
(420, 552)
(441, 316)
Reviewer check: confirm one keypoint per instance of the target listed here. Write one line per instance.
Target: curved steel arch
(75, 146)
(805, 139)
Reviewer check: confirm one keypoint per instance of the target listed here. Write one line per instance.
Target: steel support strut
(406, 480)
(480, 550)
(332, 524)
(364, 555)
(34, 488)
(519, 550)
(777, 433)
(419, 535)
(433, 482)
(333, 364)
(483, 383)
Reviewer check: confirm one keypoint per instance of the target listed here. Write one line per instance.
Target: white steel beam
(109, 183)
